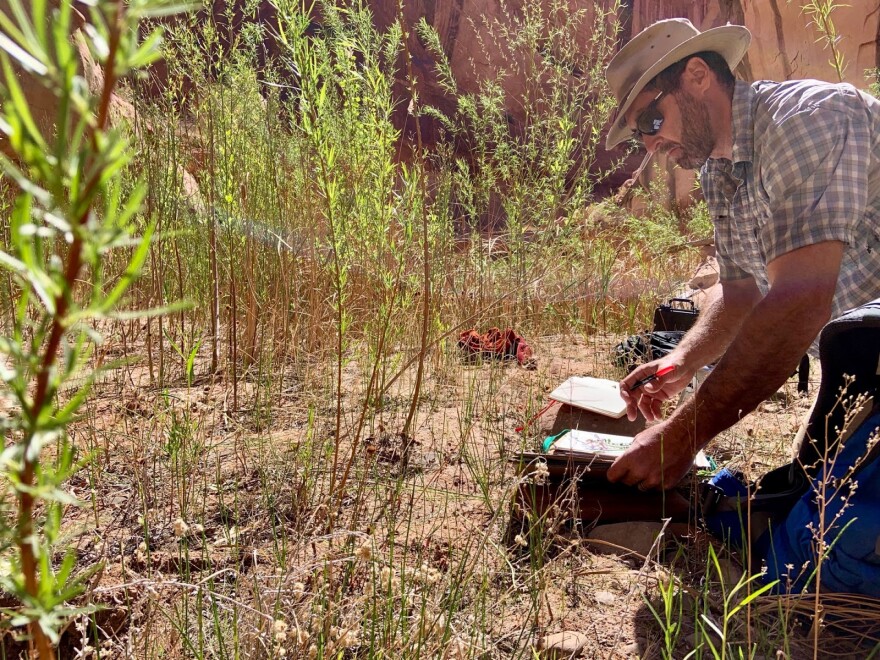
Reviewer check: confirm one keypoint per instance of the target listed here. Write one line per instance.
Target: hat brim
(729, 41)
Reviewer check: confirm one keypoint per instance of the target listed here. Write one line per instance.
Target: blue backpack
(843, 425)
(852, 525)
(784, 507)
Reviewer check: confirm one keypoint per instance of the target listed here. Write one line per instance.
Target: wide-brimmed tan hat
(654, 49)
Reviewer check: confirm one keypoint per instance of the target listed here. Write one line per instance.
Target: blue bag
(849, 351)
(852, 524)
(785, 530)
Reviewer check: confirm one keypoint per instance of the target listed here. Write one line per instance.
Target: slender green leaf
(131, 272)
(97, 43)
(25, 59)
(160, 10)
(752, 596)
(21, 107)
(11, 263)
(148, 52)
(39, 194)
(165, 310)
(38, 8)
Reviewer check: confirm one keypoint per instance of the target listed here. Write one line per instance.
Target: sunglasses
(650, 120)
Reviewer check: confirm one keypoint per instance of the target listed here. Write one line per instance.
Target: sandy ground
(184, 490)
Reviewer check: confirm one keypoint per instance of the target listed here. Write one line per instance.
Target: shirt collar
(743, 110)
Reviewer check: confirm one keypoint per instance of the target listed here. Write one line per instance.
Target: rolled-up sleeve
(727, 251)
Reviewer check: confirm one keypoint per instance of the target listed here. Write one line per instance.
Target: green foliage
(698, 221)
(308, 216)
(70, 211)
(717, 610)
(821, 15)
(541, 160)
(873, 78)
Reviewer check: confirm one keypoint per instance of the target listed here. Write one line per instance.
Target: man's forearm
(718, 324)
(758, 361)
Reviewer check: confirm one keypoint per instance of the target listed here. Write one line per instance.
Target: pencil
(654, 376)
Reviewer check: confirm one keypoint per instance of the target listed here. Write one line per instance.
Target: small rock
(428, 459)
(632, 650)
(617, 538)
(566, 644)
(707, 274)
(731, 572)
(604, 597)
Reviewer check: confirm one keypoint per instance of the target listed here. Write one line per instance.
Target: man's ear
(697, 76)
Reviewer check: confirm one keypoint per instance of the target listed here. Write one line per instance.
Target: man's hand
(659, 457)
(648, 399)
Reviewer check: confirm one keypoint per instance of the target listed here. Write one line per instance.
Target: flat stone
(566, 644)
(618, 538)
(632, 650)
(604, 597)
(707, 275)
(731, 572)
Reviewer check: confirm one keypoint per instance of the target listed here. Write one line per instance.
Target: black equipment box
(677, 314)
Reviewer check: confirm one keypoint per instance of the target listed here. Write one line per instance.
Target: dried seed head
(541, 473)
(180, 528)
(350, 639)
(427, 575)
(365, 551)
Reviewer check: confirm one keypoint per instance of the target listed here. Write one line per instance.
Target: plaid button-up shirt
(805, 169)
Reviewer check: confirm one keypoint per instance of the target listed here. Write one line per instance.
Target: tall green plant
(70, 211)
(821, 17)
(531, 131)
(872, 76)
(343, 115)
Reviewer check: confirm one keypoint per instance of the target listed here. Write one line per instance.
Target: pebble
(635, 536)
(632, 650)
(566, 644)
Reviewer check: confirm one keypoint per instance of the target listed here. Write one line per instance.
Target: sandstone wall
(784, 46)
(473, 40)
(788, 47)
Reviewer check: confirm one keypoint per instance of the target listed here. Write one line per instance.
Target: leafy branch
(71, 210)
(820, 13)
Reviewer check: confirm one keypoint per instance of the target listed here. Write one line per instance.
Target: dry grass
(213, 523)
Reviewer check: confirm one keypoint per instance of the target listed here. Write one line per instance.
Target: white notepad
(598, 395)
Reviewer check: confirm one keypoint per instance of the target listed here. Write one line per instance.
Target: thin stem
(426, 254)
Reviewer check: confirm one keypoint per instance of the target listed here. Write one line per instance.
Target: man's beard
(697, 139)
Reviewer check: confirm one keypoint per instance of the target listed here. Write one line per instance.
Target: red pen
(654, 376)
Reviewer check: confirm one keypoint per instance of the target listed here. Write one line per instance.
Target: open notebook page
(602, 445)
